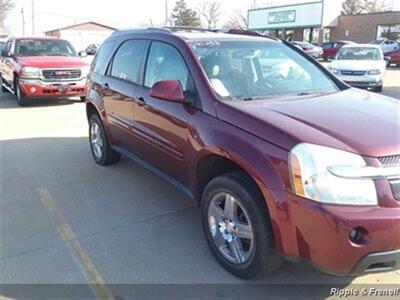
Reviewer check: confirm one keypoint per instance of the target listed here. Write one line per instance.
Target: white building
(84, 34)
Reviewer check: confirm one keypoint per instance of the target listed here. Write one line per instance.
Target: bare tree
(210, 12)
(374, 6)
(5, 7)
(238, 20)
(355, 7)
(352, 7)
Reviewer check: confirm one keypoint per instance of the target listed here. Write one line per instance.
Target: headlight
(334, 71)
(374, 72)
(312, 179)
(85, 71)
(28, 72)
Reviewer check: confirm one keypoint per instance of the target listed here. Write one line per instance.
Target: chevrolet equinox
(285, 160)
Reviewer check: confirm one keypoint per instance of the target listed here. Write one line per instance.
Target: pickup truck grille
(61, 74)
(391, 161)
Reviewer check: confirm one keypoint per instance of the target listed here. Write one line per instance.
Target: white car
(360, 65)
(386, 45)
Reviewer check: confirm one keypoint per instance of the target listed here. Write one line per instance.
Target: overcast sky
(51, 14)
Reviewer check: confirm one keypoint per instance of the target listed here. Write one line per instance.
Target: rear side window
(166, 63)
(99, 64)
(128, 60)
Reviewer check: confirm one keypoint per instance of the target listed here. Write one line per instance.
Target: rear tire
(22, 100)
(378, 89)
(102, 152)
(83, 98)
(257, 254)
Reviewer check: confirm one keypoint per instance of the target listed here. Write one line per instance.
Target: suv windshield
(249, 70)
(44, 47)
(359, 53)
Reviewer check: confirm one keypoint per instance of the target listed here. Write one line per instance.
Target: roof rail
(251, 33)
(185, 28)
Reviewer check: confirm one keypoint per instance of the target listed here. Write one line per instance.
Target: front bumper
(366, 81)
(316, 54)
(378, 262)
(320, 234)
(56, 89)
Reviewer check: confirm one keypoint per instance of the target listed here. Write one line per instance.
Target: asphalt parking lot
(66, 220)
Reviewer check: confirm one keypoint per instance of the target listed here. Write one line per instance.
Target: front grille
(353, 73)
(392, 161)
(61, 74)
(395, 189)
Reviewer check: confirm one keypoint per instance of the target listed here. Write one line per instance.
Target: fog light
(33, 90)
(359, 236)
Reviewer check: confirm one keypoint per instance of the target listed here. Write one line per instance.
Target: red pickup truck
(45, 67)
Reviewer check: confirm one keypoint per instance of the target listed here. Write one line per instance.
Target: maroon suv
(285, 160)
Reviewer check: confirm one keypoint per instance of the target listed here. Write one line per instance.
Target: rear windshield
(359, 53)
(44, 47)
(249, 70)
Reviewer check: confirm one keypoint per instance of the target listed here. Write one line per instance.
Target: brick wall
(362, 28)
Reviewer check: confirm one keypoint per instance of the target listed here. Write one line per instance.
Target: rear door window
(128, 60)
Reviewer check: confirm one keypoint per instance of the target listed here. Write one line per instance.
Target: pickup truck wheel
(21, 98)
(3, 89)
(237, 226)
(83, 98)
(101, 150)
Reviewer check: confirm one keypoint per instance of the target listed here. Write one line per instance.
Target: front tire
(237, 226)
(22, 100)
(378, 89)
(82, 98)
(3, 89)
(99, 144)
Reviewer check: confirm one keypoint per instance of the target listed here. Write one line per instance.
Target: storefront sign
(282, 17)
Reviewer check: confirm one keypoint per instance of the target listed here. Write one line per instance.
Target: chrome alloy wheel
(96, 140)
(231, 229)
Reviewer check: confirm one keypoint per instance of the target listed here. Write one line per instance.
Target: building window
(315, 35)
(326, 35)
(391, 32)
(306, 34)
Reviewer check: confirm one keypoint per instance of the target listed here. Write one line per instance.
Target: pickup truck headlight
(30, 73)
(311, 178)
(374, 72)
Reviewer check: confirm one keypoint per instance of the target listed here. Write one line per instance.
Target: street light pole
(23, 20)
(33, 17)
(166, 12)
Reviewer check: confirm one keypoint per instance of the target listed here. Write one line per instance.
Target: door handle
(140, 101)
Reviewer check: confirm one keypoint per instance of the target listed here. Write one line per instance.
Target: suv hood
(350, 120)
(52, 62)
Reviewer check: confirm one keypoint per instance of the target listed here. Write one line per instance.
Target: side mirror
(83, 54)
(170, 90)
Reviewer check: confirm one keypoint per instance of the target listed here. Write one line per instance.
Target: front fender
(266, 163)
